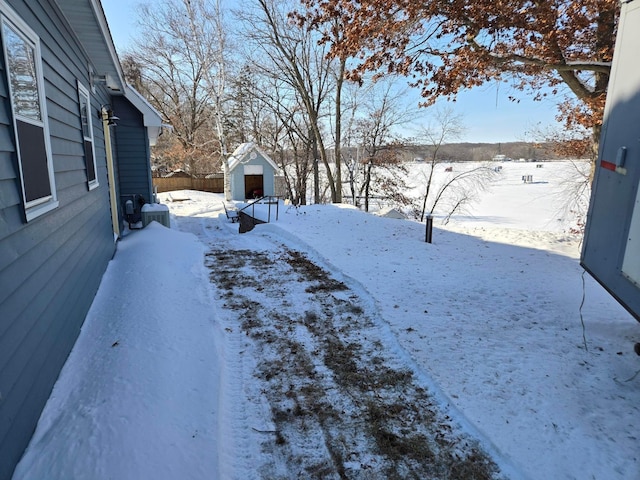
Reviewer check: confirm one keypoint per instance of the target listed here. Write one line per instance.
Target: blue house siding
(131, 140)
(10, 194)
(50, 267)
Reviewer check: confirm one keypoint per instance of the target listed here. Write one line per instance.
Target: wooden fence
(213, 185)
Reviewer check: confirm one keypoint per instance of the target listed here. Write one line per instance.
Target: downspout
(110, 174)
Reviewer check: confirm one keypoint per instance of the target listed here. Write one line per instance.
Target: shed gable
(250, 154)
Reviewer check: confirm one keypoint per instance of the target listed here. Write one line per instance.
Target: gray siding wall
(613, 200)
(51, 267)
(612, 206)
(132, 145)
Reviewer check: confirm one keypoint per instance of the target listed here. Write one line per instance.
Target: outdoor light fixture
(106, 113)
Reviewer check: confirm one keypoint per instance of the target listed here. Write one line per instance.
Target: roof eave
(151, 117)
(89, 23)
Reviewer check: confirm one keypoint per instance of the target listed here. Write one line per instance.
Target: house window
(87, 135)
(24, 73)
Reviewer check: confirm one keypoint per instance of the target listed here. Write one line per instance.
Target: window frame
(37, 206)
(83, 93)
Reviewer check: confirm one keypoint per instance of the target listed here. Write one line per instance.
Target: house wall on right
(611, 248)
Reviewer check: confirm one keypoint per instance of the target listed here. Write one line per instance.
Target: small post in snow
(429, 231)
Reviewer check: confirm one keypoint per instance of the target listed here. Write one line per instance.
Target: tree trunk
(426, 195)
(322, 152)
(338, 173)
(367, 185)
(227, 179)
(316, 173)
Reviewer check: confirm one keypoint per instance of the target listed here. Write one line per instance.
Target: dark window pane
(88, 155)
(33, 156)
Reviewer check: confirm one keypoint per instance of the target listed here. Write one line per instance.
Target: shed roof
(242, 155)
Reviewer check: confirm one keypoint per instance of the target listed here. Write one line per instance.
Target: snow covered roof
(391, 213)
(177, 173)
(242, 155)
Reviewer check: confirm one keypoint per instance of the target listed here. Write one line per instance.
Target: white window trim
(41, 206)
(83, 91)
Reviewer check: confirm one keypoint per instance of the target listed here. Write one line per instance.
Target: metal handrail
(270, 201)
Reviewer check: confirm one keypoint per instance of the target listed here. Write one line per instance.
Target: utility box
(155, 212)
(611, 248)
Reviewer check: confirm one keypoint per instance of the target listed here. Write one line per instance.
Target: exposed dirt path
(343, 404)
(313, 379)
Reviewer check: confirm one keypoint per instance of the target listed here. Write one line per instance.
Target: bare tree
(266, 110)
(574, 145)
(179, 63)
(292, 142)
(457, 189)
(382, 113)
(290, 52)
(249, 114)
(446, 125)
(296, 162)
(351, 152)
(446, 46)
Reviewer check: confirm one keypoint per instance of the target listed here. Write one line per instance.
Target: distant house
(179, 173)
(252, 172)
(66, 170)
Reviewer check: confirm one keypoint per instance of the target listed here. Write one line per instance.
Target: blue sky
(487, 113)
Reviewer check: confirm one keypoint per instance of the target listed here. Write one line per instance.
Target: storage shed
(252, 173)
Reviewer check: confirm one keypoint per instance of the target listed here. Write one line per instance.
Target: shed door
(254, 186)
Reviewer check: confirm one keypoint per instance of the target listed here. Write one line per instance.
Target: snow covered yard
(324, 345)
